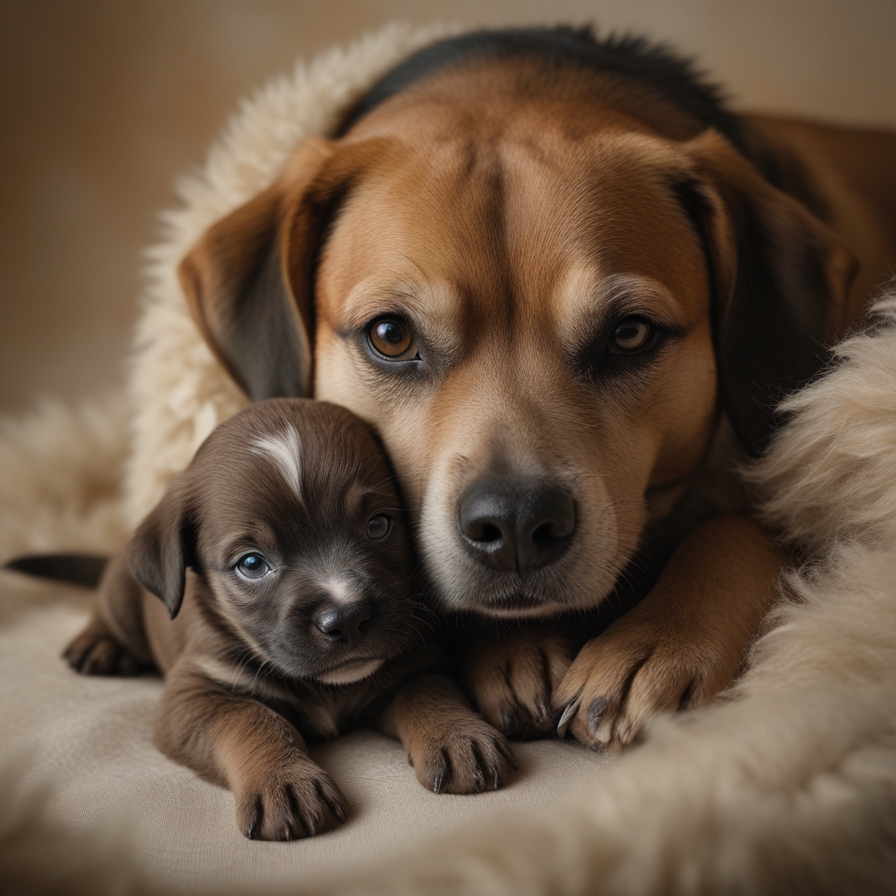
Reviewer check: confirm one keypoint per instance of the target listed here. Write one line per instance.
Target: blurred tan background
(103, 103)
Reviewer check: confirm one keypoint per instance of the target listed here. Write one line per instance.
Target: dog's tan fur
(505, 222)
(248, 670)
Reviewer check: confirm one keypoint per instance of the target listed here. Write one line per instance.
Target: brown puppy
(282, 559)
(567, 287)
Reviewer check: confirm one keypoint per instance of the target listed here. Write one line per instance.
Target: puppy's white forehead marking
(285, 451)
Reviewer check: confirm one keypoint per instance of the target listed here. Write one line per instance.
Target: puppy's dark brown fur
(567, 287)
(285, 575)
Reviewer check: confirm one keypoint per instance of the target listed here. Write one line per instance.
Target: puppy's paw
(631, 673)
(96, 651)
(292, 803)
(466, 757)
(512, 681)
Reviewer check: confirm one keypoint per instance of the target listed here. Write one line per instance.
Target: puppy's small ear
(162, 548)
(780, 280)
(249, 280)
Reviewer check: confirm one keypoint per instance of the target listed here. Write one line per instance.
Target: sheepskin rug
(787, 786)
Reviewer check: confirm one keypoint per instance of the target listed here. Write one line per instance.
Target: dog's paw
(291, 803)
(512, 681)
(465, 757)
(98, 652)
(631, 673)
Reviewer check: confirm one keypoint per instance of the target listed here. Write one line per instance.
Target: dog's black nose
(513, 524)
(344, 623)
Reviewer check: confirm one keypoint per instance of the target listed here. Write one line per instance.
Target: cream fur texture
(841, 440)
(61, 474)
(786, 787)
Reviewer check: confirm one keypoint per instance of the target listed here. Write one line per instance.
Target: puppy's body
(286, 583)
(567, 287)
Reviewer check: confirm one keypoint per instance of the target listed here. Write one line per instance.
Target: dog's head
(290, 516)
(542, 288)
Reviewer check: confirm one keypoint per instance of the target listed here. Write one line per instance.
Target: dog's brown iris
(630, 336)
(391, 338)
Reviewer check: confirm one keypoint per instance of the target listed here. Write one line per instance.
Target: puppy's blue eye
(253, 566)
(378, 527)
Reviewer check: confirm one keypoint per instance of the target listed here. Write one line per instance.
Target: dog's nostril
(544, 534)
(489, 534)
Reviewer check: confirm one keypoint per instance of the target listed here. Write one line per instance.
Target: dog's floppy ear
(238, 291)
(162, 548)
(249, 280)
(780, 279)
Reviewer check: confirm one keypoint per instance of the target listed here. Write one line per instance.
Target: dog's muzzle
(516, 525)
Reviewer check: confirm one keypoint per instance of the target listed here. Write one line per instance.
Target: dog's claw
(568, 713)
(437, 780)
(595, 713)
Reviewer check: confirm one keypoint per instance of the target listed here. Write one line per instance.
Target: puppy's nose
(344, 623)
(513, 524)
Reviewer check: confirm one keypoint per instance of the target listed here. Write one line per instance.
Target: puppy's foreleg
(236, 741)
(113, 642)
(452, 748)
(683, 643)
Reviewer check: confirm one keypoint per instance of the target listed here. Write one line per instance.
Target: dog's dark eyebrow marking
(653, 65)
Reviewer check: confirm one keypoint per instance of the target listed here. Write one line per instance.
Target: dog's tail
(85, 570)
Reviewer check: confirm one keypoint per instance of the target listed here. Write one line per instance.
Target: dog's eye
(392, 339)
(253, 566)
(378, 527)
(631, 335)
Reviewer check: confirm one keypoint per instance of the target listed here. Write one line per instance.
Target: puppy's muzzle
(345, 623)
(516, 525)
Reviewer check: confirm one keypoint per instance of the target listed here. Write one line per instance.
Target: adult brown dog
(567, 287)
(273, 586)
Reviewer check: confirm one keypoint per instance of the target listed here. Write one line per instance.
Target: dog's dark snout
(344, 623)
(516, 525)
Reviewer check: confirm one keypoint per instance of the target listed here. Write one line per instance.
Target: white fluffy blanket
(788, 786)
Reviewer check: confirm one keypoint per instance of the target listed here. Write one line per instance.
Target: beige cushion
(93, 737)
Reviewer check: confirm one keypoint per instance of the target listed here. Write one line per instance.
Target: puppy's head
(290, 516)
(542, 288)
